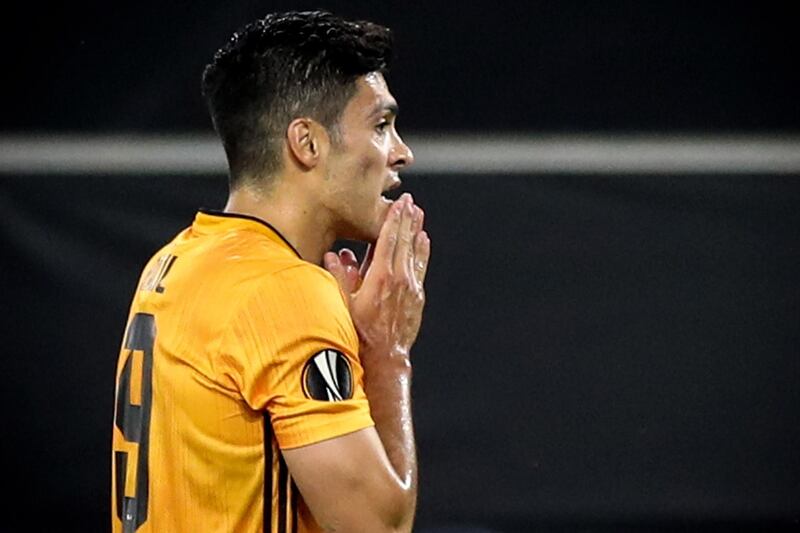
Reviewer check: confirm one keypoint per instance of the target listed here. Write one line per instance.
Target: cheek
(374, 161)
(365, 164)
(368, 169)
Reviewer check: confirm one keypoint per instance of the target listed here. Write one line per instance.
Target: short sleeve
(296, 352)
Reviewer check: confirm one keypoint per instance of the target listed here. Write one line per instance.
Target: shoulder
(300, 306)
(309, 285)
(308, 275)
(283, 287)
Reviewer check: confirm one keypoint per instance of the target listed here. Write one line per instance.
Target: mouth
(391, 192)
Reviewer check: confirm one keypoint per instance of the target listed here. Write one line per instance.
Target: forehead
(375, 83)
(372, 97)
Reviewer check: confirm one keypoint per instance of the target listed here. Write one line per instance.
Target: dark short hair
(281, 67)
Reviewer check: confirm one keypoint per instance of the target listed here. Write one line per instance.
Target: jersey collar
(213, 221)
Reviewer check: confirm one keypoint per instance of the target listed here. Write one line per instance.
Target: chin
(363, 231)
(366, 234)
(369, 228)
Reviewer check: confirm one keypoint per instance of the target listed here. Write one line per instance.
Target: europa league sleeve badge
(327, 376)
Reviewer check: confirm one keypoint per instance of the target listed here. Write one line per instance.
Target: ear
(307, 141)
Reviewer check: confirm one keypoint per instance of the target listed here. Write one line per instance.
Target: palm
(385, 293)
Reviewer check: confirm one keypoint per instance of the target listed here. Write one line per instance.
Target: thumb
(342, 272)
(334, 265)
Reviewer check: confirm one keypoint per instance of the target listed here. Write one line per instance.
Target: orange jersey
(235, 349)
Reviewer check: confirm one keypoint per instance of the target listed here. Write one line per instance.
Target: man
(254, 393)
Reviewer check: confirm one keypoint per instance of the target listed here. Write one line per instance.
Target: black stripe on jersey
(214, 212)
(283, 478)
(294, 507)
(121, 464)
(267, 474)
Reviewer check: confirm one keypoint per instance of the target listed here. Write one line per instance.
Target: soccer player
(257, 391)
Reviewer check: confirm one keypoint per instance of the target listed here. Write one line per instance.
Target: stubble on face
(359, 163)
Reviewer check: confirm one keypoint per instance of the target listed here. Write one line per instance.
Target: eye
(382, 125)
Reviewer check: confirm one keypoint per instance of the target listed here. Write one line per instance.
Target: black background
(554, 66)
(599, 352)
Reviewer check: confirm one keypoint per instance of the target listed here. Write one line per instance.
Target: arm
(367, 480)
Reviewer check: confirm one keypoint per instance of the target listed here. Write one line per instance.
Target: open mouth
(392, 192)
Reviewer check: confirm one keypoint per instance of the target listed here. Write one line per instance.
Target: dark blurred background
(601, 352)
(524, 66)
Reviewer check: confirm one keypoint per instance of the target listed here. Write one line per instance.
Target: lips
(391, 191)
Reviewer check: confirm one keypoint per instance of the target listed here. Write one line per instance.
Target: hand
(386, 295)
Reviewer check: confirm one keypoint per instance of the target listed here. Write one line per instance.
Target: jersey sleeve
(296, 354)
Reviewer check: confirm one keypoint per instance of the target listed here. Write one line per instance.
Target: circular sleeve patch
(327, 377)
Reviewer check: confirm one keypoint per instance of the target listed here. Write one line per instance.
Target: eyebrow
(384, 106)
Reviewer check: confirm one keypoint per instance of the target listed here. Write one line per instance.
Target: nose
(401, 155)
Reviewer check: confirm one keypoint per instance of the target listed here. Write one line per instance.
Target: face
(365, 162)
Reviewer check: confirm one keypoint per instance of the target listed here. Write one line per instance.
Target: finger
(418, 221)
(387, 240)
(416, 227)
(404, 251)
(330, 261)
(350, 265)
(348, 258)
(422, 254)
(334, 266)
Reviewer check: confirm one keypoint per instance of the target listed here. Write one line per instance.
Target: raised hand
(387, 295)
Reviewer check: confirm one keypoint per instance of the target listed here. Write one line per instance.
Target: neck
(292, 212)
